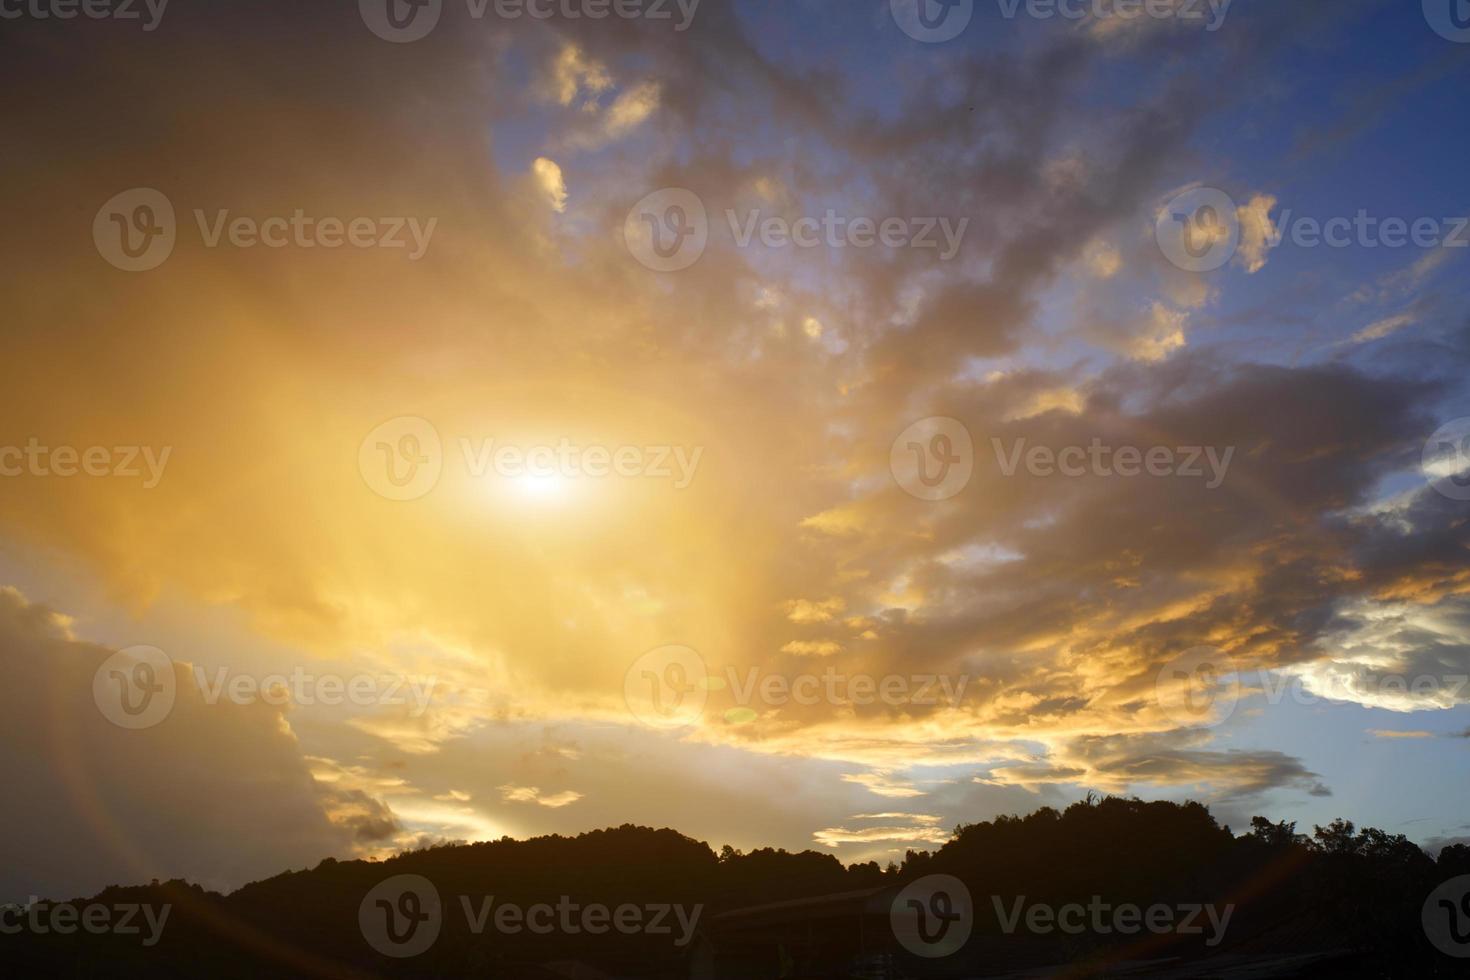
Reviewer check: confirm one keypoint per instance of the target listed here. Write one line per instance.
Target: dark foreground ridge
(1112, 887)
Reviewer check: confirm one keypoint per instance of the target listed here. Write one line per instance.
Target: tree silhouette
(1342, 902)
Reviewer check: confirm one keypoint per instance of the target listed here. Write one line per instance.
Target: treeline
(1356, 894)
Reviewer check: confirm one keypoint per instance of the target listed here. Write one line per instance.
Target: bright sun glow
(541, 487)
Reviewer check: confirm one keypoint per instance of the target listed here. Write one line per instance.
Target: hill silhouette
(1338, 902)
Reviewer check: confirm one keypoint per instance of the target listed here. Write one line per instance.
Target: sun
(541, 487)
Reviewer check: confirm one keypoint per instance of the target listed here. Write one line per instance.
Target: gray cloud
(215, 793)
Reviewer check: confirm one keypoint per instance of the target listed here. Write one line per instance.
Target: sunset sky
(763, 519)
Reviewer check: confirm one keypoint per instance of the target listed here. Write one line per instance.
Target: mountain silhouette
(991, 902)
